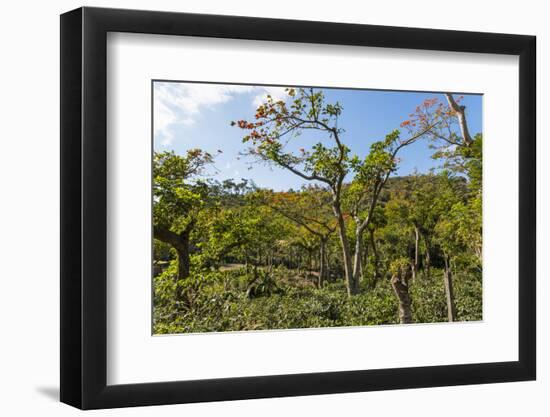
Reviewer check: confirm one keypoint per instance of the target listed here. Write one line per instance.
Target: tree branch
(297, 220)
(301, 174)
(459, 110)
(165, 235)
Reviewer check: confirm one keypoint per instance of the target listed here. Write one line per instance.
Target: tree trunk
(327, 263)
(321, 264)
(400, 284)
(365, 261)
(180, 242)
(427, 257)
(449, 291)
(357, 258)
(376, 276)
(309, 264)
(461, 115)
(416, 242)
(350, 287)
(479, 253)
(183, 257)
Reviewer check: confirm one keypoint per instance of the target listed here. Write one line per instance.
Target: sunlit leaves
(278, 121)
(176, 197)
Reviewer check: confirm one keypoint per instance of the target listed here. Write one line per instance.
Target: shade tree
(178, 198)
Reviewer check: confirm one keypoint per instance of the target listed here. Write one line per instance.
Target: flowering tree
(455, 222)
(278, 122)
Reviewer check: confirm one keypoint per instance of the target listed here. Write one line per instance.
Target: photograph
(293, 207)
(266, 209)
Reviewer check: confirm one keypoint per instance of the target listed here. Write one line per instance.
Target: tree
(371, 176)
(310, 209)
(177, 200)
(238, 227)
(329, 165)
(400, 279)
(415, 205)
(327, 162)
(459, 226)
(235, 255)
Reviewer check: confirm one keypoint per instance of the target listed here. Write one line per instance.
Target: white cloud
(278, 93)
(180, 103)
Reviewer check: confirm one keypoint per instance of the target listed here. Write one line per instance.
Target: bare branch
(311, 177)
(459, 110)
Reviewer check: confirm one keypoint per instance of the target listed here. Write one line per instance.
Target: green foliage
(223, 303)
(428, 295)
(257, 259)
(398, 265)
(278, 121)
(176, 197)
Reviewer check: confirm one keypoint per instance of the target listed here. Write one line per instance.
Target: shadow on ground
(50, 392)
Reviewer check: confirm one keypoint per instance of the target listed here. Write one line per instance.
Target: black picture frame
(84, 207)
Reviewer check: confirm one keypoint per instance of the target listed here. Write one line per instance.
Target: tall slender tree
(329, 161)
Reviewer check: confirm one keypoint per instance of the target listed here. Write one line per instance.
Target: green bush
(222, 301)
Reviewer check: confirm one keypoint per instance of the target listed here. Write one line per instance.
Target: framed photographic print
(257, 208)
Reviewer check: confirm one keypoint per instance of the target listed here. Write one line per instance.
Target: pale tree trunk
(327, 262)
(416, 254)
(479, 253)
(460, 113)
(400, 284)
(449, 291)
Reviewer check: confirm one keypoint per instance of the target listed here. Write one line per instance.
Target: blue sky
(197, 115)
